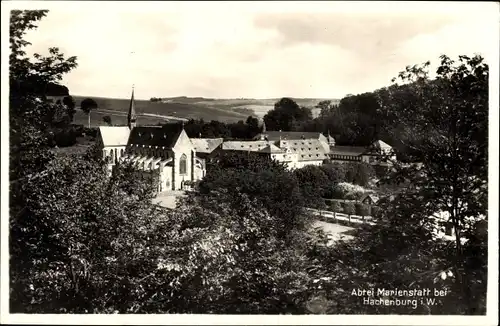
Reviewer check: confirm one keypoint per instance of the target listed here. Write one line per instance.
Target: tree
(262, 179)
(335, 207)
(313, 182)
(362, 210)
(253, 126)
(445, 121)
(107, 120)
(87, 106)
(336, 172)
(359, 173)
(287, 115)
(349, 209)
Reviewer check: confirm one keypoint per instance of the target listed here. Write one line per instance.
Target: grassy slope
(226, 110)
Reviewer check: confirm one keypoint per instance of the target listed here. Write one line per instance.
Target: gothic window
(183, 164)
(111, 152)
(116, 154)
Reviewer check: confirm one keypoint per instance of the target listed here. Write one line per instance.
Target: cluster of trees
(319, 182)
(216, 129)
(84, 242)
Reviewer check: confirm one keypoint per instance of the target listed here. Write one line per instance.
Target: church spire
(131, 111)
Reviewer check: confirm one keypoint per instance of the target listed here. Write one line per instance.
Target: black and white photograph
(267, 162)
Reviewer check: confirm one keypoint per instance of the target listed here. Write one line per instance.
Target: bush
(349, 208)
(376, 211)
(362, 209)
(359, 173)
(335, 206)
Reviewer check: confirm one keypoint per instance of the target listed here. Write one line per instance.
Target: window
(183, 164)
(111, 152)
(121, 152)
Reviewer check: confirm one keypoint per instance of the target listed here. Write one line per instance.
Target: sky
(255, 50)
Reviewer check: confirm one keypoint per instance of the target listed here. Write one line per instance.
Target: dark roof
(347, 150)
(275, 135)
(165, 135)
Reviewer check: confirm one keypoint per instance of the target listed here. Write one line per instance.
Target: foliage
(362, 209)
(216, 129)
(312, 182)
(336, 172)
(444, 123)
(107, 120)
(287, 115)
(349, 208)
(88, 105)
(448, 134)
(335, 206)
(359, 173)
(262, 179)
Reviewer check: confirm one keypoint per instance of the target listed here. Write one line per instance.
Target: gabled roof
(162, 136)
(347, 150)
(206, 145)
(272, 149)
(114, 135)
(373, 198)
(277, 135)
(379, 144)
(249, 145)
(306, 149)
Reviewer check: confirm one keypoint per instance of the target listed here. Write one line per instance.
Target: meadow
(224, 110)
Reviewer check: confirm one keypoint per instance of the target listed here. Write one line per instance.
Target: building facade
(165, 151)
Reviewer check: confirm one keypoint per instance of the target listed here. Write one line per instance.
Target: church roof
(206, 145)
(114, 135)
(161, 136)
(131, 109)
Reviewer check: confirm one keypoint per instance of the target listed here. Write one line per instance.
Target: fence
(341, 218)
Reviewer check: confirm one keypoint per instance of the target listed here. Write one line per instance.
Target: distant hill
(226, 110)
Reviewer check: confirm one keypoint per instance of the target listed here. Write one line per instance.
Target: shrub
(362, 209)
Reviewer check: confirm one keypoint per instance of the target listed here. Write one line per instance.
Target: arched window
(112, 154)
(183, 164)
(116, 154)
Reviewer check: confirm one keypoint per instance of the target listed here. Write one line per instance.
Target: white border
(485, 9)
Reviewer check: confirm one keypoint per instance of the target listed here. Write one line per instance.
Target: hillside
(226, 110)
(259, 107)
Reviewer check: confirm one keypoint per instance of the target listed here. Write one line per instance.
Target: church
(166, 150)
(179, 161)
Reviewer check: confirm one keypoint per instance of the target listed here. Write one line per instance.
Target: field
(225, 110)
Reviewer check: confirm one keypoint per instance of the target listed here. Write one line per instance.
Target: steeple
(131, 111)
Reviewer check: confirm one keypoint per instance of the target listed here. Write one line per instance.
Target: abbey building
(179, 160)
